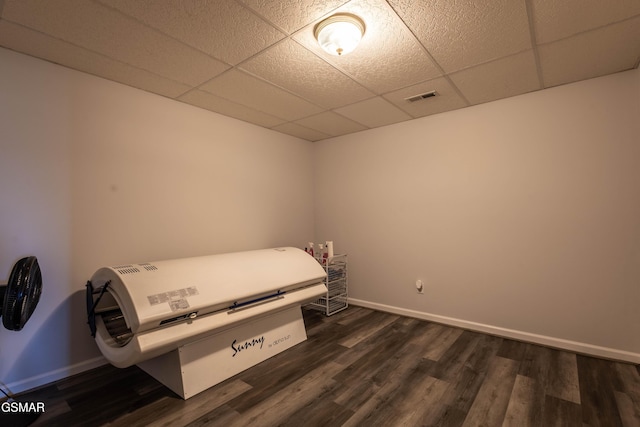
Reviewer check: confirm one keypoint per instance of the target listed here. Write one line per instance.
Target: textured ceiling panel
(387, 58)
(211, 26)
(502, 78)
(228, 108)
(258, 60)
(34, 43)
(446, 98)
(460, 34)
(295, 14)
(591, 54)
(101, 29)
(374, 112)
(554, 20)
(295, 129)
(306, 75)
(260, 95)
(331, 123)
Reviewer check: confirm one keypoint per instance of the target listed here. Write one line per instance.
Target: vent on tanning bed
(149, 267)
(420, 96)
(126, 269)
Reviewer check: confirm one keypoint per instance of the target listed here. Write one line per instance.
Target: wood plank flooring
(366, 368)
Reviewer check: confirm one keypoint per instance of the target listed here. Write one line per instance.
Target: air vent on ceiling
(418, 97)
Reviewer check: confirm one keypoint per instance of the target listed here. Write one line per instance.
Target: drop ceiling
(257, 60)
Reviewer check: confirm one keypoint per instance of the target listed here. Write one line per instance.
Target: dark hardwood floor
(366, 368)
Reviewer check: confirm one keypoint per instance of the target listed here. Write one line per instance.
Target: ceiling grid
(258, 60)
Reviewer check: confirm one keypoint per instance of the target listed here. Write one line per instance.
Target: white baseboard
(578, 347)
(58, 374)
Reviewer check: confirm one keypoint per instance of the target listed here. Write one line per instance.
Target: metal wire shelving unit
(337, 295)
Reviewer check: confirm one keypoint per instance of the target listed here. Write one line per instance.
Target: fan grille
(22, 293)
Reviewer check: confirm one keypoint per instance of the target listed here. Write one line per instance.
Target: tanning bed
(192, 323)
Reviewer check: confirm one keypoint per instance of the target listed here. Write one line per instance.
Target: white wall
(522, 215)
(94, 173)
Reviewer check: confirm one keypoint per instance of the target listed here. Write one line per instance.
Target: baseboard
(51, 376)
(578, 347)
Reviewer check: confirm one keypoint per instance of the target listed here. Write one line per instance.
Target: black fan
(18, 300)
(20, 296)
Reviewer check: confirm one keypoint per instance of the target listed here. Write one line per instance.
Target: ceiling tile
(258, 60)
(374, 112)
(554, 20)
(446, 99)
(306, 75)
(210, 26)
(510, 76)
(331, 124)
(293, 15)
(595, 53)
(388, 57)
(463, 33)
(228, 108)
(300, 131)
(259, 95)
(34, 43)
(101, 29)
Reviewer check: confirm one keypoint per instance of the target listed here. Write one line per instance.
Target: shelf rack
(336, 298)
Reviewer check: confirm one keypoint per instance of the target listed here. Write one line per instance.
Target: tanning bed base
(197, 366)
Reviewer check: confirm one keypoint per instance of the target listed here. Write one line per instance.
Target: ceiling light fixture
(339, 34)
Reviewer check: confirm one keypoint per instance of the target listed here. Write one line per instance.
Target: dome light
(339, 34)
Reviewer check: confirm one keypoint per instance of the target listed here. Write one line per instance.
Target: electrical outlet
(420, 286)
